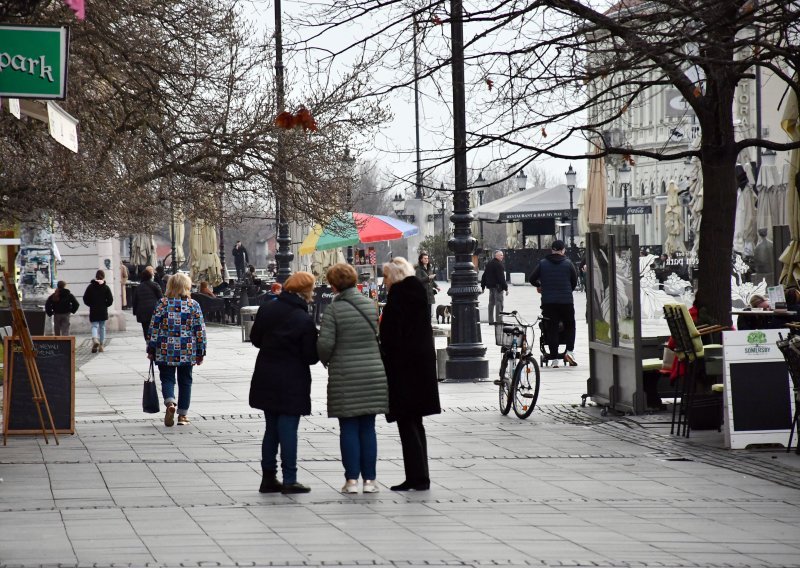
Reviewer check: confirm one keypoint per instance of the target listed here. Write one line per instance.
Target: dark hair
(60, 286)
(423, 253)
(100, 275)
(558, 244)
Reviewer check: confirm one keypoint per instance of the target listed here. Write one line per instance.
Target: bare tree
(175, 102)
(544, 71)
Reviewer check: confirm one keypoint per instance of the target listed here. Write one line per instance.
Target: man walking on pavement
(240, 258)
(555, 278)
(494, 278)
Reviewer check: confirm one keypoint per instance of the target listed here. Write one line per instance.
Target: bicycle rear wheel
(526, 387)
(505, 382)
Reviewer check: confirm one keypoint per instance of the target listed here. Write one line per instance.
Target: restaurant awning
(545, 203)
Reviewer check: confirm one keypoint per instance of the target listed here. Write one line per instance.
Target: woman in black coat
(409, 356)
(145, 298)
(98, 297)
(61, 304)
(281, 386)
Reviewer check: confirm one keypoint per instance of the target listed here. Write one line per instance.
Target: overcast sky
(394, 148)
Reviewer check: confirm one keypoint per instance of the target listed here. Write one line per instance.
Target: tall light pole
(283, 256)
(174, 267)
(571, 175)
(480, 186)
(466, 352)
(348, 162)
(625, 183)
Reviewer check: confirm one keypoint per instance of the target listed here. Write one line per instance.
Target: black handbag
(150, 403)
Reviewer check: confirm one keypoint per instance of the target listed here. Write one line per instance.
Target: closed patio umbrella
(673, 221)
(790, 275)
(744, 233)
(180, 233)
(596, 192)
(583, 221)
(143, 250)
(204, 263)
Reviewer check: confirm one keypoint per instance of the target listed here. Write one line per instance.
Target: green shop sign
(33, 62)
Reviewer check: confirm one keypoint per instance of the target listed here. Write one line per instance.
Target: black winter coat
(66, 304)
(409, 354)
(286, 338)
(145, 297)
(494, 275)
(98, 297)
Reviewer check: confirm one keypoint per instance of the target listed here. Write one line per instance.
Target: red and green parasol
(350, 229)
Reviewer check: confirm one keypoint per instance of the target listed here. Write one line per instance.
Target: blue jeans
(281, 432)
(167, 375)
(359, 446)
(99, 330)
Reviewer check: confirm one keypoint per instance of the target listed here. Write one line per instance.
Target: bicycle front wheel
(526, 387)
(505, 382)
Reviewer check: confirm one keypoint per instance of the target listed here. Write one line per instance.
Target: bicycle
(518, 383)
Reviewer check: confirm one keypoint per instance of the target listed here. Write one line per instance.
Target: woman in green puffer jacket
(357, 388)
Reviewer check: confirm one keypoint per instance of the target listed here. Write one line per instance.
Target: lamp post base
(467, 367)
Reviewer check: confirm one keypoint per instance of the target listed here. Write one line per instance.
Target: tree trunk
(716, 231)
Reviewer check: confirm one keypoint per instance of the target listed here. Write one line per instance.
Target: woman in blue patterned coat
(177, 343)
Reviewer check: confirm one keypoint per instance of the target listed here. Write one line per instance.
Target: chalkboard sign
(762, 403)
(55, 358)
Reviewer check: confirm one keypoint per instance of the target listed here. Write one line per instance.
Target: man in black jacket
(494, 278)
(555, 278)
(240, 258)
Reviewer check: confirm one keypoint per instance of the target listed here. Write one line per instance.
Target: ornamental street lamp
(480, 185)
(522, 180)
(466, 352)
(625, 183)
(283, 256)
(571, 177)
(348, 162)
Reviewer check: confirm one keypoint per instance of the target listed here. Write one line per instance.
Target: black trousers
(146, 330)
(415, 449)
(555, 314)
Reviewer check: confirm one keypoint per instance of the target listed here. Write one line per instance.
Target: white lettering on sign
(26, 65)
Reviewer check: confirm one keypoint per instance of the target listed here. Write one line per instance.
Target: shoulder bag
(150, 403)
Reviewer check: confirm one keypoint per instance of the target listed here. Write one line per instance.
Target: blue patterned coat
(177, 332)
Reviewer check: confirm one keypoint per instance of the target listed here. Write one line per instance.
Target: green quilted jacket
(347, 345)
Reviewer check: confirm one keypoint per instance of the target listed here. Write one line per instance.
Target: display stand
(23, 335)
(758, 389)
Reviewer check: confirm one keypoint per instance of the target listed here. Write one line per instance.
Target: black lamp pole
(174, 266)
(571, 219)
(466, 352)
(283, 256)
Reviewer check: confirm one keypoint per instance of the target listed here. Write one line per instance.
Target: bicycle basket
(506, 338)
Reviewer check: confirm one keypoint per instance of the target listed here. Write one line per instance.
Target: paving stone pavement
(567, 487)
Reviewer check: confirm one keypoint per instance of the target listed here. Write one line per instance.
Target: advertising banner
(33, 62)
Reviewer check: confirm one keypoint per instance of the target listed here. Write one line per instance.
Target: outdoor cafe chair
(691, 351)
(790, 348)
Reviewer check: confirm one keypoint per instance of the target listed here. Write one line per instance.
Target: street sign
(33, 62)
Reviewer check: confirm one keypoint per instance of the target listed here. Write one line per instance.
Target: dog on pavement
(443, 314)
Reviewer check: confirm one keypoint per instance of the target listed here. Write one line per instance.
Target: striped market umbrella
(350, 229)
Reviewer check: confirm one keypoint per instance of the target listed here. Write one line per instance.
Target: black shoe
(294, 488)
(409, 486)
(270, 483)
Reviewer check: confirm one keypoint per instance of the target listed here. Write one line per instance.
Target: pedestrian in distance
(240, 259)
(409, 356)
(494, 278)
(357, 390)
(61, 304)
(286, 338)
(99, 298)
(555, 278)
(145, 297)
(424, 271)
(123, 285)
(177, 343)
